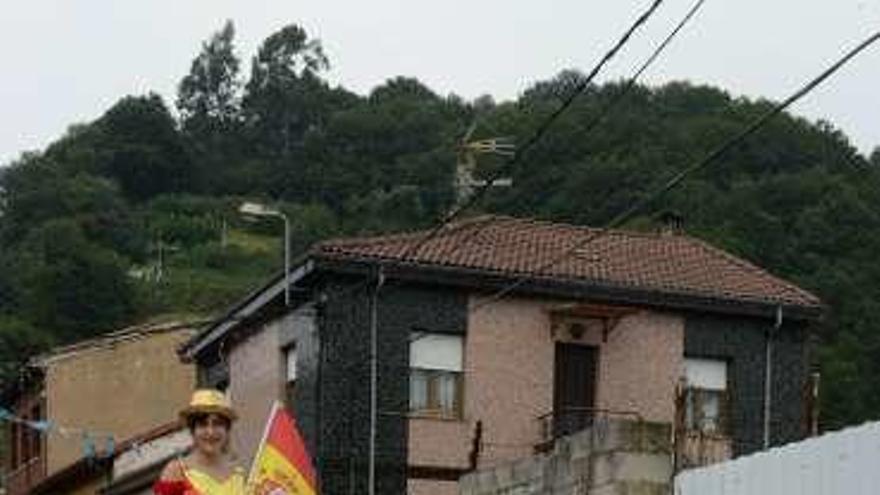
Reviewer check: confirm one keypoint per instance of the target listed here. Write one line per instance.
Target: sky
(67, 61)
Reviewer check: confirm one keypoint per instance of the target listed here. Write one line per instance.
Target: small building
(496, 336)
(116, 386)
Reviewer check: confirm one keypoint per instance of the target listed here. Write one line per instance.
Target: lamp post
(259, 210)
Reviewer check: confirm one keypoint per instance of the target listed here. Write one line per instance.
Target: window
(706, 397)
(35, 439)
(290, 375)
(435, 380)
(14, 431)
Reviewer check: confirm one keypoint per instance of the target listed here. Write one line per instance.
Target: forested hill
(133, 216)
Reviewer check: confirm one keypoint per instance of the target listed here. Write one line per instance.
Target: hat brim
(206, 409)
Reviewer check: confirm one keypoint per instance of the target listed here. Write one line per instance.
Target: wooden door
(574, 391)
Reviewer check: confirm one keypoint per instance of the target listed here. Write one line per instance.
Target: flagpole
(275, 406)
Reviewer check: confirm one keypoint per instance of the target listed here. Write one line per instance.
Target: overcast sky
(67, 61)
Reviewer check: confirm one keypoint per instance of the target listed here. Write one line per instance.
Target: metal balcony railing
(570, 420)
(20, 480)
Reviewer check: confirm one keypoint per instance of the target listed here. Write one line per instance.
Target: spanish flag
(282, 466)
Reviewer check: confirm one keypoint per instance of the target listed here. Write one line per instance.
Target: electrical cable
(678, 178)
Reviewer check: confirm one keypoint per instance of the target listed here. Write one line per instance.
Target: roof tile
(666, 263)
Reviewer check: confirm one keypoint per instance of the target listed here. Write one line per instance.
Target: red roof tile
(664, 263)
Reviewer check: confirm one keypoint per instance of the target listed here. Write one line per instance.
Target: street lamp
(259, 210)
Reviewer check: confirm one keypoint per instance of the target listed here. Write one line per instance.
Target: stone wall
(612, 457)
(255, 382)
(343, 405)
(741, 341)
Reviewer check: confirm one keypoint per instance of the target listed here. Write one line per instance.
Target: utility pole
(259, 210)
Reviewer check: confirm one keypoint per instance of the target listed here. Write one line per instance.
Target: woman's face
(210, 434)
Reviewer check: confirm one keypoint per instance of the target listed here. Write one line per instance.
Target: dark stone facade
(343, 400)
(741, 341)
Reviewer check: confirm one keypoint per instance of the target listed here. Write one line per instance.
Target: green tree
(142, 150)
(286, 99)
(36, 190)
(285, 95)
(208, 97)
(19, 341)
(71, 286)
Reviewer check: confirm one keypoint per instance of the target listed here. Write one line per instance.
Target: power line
(539, 132)
(613, 102)
(677, 179)
(631, 82)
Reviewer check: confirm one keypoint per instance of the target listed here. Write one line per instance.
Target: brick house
(651, 326)
(122, 384)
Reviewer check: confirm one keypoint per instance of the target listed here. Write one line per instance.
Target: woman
(207, 470)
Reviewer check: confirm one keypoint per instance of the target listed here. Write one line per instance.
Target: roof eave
(242, 310)
(567, 288)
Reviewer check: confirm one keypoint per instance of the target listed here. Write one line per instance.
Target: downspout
(768, 374)
(374, 316)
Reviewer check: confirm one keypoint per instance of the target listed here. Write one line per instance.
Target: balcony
(695, 448)
(19, 481)
(568, 421)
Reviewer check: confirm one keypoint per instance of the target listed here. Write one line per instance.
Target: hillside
(134, 216)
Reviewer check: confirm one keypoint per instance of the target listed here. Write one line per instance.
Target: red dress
(196, 482)
(182, 487)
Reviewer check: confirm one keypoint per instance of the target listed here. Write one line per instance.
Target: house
(497, 335)
(117, 386)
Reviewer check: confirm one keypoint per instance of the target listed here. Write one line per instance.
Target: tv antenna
(466, 167)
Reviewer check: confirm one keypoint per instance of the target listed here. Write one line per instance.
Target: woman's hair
(199, 418)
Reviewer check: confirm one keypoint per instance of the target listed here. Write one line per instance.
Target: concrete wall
(125, 389)
(612, 457)
(509, 365)
(257, 378)
(431, 487)
(146, 455)
(256, 374)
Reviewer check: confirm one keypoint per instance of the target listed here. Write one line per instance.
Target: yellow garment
(205, 484)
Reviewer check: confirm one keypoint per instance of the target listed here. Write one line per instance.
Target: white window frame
(291, 359)
(436, 358)
(707, 380)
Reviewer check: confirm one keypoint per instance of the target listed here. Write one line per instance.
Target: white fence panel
(843, 462)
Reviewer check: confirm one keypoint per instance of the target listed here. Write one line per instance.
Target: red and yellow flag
(282, 466)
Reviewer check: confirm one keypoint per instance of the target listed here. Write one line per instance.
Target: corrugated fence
(844, 462)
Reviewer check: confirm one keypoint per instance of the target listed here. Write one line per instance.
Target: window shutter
(706, 374)
(436, 352)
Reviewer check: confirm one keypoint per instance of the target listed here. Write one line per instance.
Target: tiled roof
(656, 262)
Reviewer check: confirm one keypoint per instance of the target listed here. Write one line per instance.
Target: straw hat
(207, 401)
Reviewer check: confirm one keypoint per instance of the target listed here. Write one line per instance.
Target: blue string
(88, 446)
(109, 447)
(42, 426)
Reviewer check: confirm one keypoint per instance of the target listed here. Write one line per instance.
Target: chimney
(672, 223)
